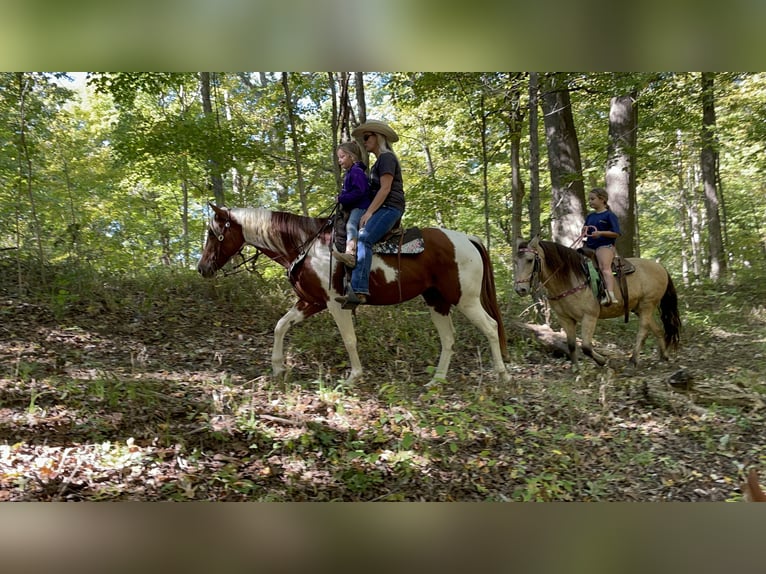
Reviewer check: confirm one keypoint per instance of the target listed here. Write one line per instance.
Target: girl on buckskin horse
(602, 228)
(384, 212)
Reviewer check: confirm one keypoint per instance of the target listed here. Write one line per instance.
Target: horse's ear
(535, 243)
(517, 243)
(220, 211)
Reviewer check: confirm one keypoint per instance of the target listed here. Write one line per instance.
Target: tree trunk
(360, 102)
(25, 170)
(517, 185)
(214, 171)
(534, 157)
(621, 171)
(567, 187)
(334, 129)
(484, 170)
(708, 163)
(296, 146)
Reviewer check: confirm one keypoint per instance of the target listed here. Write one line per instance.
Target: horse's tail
(671, 320)
(489, 295)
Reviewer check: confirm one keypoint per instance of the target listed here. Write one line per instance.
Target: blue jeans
(352, 225)
(381, 222)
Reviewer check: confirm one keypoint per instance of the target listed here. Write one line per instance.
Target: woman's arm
(386, 180)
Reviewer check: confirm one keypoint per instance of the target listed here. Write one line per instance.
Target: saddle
(400, 240)
(621, 267)
(407, 241)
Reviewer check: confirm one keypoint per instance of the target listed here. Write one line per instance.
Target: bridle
(534, 278)
(220, 236)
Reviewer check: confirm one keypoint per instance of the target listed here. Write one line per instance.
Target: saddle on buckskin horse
(620, 268)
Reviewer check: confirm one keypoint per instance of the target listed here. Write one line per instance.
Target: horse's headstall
(219, 236)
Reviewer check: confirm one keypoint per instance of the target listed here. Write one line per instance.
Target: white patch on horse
(467, 257)
(390, 273)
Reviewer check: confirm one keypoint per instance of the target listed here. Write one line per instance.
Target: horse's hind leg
(446, 329)
(487, 325)
(646, 323)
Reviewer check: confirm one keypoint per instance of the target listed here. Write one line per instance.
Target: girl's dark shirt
(356, 189)
(388, 163)
(604, 221)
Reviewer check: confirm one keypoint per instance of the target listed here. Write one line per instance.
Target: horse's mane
(278, 229)
(558, 256)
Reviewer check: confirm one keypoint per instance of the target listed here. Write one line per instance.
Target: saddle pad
(411, 244)
(594, 278)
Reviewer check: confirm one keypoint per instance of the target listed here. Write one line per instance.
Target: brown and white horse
(560, 271)
(454, 270)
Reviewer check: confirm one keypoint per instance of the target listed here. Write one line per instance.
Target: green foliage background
(99, 177)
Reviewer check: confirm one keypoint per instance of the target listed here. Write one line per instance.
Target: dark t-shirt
(604, 221)
(388, 163)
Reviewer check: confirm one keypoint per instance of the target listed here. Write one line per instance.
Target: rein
(238, 268)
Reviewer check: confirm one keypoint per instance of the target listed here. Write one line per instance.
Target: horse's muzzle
(207, 270)
(521, 290)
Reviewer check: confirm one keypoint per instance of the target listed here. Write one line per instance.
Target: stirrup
(351, 300)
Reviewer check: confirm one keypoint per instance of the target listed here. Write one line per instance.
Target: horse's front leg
(588, 328)
(345, 322)
(570, 328)
(446, 330)
(297, 313)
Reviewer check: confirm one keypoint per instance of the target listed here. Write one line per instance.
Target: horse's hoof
(436, 382)
(352, 379)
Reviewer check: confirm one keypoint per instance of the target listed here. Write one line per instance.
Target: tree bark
(360, 101)
(708, 164)
(484, 170)
(534, 156)
(334, 129)
(296, 146)
(621, 171)
(25, 169)
(517, 185)
(214, 171)
(565, 166)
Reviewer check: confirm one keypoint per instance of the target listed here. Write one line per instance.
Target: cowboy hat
(378, 127)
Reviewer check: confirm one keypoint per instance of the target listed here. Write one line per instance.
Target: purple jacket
(356, 188)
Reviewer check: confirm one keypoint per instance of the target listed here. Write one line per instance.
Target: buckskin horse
(453, 270)
(560, 271)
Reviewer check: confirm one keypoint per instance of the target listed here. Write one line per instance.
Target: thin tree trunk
(361, 105)
(296, 146)
(361, 109)
(484, 169)
(708, 165)
(25, 171)
(517, 185)
(216, 181)
(685, 215)
(534, 156)
(335, 127)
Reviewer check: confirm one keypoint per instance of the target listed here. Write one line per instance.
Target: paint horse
(453, 270)
(560, 271)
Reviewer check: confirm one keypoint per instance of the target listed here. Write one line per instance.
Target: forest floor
(161, 390)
